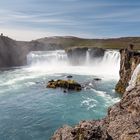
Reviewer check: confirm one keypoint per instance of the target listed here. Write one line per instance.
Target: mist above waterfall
(59, 62)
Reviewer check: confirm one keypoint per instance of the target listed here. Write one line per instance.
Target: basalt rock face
(96, 52)
(11, 54)
(79, 56)
(121, 123)
(129, 60)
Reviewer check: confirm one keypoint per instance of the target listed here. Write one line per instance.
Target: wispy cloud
(98, 18)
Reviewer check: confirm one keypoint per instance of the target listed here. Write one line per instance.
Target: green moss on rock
(120, 87)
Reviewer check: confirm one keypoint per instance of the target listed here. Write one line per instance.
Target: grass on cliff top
(108, 43)
(112, 43)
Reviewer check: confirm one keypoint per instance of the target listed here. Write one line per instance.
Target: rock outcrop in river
(65, 84)
(123, 119)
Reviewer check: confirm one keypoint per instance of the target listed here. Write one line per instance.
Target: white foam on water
(52, 62)
(18, 78)
(89, 103)
(108, 98)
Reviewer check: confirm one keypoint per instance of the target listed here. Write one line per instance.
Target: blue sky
(31, 19)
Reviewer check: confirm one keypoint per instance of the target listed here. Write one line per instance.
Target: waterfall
(58, 62)
(47, 57)
(109, 64)
(87, 57)
(132, 82)
(112, 58)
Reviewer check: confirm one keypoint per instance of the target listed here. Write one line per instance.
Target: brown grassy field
(111, 43)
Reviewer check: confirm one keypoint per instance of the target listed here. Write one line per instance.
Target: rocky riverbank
(123, 119)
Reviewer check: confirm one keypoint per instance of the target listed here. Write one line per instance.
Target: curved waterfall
(111, 59)
(59, 62)
(47, 57)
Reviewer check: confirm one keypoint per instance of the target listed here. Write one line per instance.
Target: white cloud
(31, 34)
(25, 34)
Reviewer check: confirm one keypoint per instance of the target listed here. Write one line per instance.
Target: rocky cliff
(123, 119)
(12, 53)
(129, 60)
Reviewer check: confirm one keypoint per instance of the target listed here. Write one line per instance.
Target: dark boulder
(69, 76)
(97, 79)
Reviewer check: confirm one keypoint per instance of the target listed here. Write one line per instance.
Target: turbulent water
(29, 111)
(58, 62)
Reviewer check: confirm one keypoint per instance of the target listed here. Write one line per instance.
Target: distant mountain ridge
(13, 53)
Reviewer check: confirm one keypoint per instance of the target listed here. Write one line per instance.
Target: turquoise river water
(30, 111)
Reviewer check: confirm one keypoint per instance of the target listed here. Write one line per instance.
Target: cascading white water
(47, 57)
(132, 82)
(111, 59)
(58, 62)
(87, 57)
